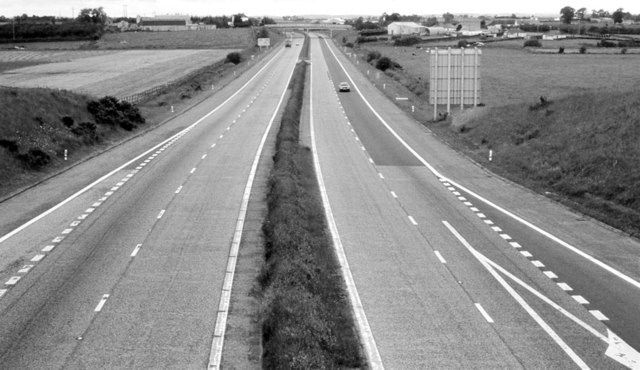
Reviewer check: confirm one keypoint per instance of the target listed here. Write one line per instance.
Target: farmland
(98, 73)
(118, 64)
(510, 74)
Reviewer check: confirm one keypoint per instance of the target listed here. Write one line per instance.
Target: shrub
(35, 158)
(623, 51)
(86, 130)
(532, 43)
(10, 145)
(407, 41)
(234, 58)
(583, 50)
(383, 38)
(372, 55)
(67, 121)
(112, 112)
(561, 50)
(463, 43)
(606, 44)
(349, 44)
(383, 63)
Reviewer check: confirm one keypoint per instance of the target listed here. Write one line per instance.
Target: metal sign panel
(264, 41)
(455, 77)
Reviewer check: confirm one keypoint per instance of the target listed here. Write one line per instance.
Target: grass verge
(306, 317)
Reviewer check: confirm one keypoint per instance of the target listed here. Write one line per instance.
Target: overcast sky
(132, 8)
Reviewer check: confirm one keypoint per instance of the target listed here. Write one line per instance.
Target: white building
(406, 28)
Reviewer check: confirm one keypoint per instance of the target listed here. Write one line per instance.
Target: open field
(210, 39)
(514, 75)
(99, 72)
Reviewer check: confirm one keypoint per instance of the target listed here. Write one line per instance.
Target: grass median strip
(306, 317)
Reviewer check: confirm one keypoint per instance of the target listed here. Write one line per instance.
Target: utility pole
(14, 28)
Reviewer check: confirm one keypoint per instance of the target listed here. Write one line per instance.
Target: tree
(618, 16)
(95, 15)
(267, 20)
(448, 17)
(567, 14)
(581, 13)
(431, 21)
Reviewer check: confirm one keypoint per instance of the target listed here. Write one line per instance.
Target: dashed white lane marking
(488, 222)
(75, 223)
(371, 160)
(496, 229)
(493, 269)
(221, 136)
(161, 214)
(537, 263)
(550, 274)
(25, 269)
(474, 209)
(380, 175)
(2, 292)
(526, 254)
(505, 236)
(13, 280)
(57, 239)
(101, 303)
(48, 248)
(484, 313)
(66, 231)
(580, 299)
(515, 245)
(83, 216)
(213, 145)
(363, 148)
(203, 156)
(136, 250)
(565, 287)
(179, 189)
(468, 204)
(393, 194)
(413, 221)
(193, 170)
(89, 210)
(599, 315)
(442, 260)
(37, 258)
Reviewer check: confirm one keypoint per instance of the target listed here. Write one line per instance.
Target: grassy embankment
(584, 149)
(38, 125)
(306, 316)
(581, 150)
(33, 133)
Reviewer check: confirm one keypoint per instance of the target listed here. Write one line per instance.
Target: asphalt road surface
(454, 267)
(449, 266)
(129, 270)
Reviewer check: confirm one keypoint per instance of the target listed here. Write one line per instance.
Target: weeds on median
(306, 318)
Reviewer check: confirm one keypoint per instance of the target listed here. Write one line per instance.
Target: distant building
(406, 28)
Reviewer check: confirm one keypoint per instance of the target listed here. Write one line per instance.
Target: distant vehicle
(344, 87)
(287, 44)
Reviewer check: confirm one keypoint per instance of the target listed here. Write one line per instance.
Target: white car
(344, 87)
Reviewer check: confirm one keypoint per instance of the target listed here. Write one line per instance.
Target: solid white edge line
(486, 201)
(532, 313)
(364, 330)
(217, 342)
(101, 179)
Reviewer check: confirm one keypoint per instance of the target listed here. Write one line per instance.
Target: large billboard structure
(455, 78)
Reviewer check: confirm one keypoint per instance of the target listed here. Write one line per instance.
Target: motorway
(453, 267)
(126, 260)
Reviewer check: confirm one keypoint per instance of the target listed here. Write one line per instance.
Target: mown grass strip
(306, 317)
